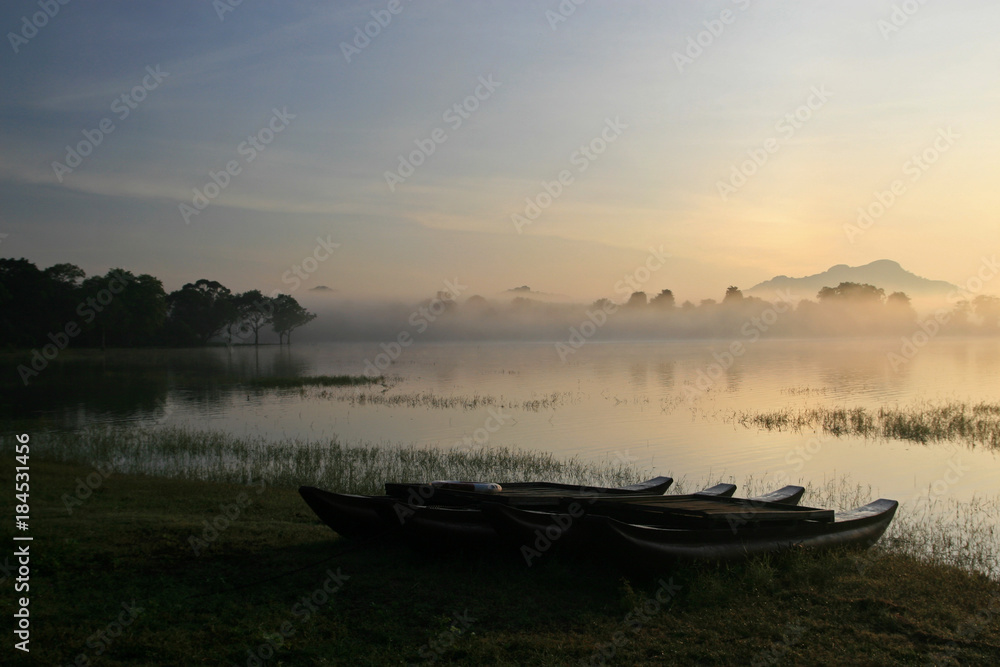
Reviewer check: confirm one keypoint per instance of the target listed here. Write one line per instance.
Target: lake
(672, 407)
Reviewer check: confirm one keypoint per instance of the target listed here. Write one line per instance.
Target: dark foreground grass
(255, 588)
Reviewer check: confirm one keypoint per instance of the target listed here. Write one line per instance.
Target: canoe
(366, 516)
(348, 515)
(858, 528)
(519, 494)
(521, 526)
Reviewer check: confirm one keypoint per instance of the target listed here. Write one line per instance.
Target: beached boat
(518, 494)
(365, 516)
(858, 528)
(712, 507)
(471, 526)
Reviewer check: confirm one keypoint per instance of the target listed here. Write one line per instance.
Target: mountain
(884, 273)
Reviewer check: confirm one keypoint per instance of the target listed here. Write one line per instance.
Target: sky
(557, 145)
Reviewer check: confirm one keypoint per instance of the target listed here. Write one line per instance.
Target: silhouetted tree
(35, 303)
(637, 300)
(899, 310)
(199, 311)
(253, 312)
(665, 299)
(288, 316)
(858, 293)
(733, 295)
(987, 309)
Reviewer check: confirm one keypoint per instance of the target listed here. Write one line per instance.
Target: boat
(858, 528)
(713, 506)
(348, 515)
(519, 494)
(471, 525)
(368, 516)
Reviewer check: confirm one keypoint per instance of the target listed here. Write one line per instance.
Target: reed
(360, 468)
(970, 423)
(314, 381)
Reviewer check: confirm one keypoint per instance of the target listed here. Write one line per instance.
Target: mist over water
(672, 407)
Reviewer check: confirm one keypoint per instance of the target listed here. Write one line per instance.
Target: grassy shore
(269, 581)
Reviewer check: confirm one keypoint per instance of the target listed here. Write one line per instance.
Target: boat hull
(859, 528)
(367, 516)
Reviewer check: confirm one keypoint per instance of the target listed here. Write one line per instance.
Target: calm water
(668, 406)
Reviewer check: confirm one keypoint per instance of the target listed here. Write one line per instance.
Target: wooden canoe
(858, 528)
(364, 516)
(520, 526)
(517, 494)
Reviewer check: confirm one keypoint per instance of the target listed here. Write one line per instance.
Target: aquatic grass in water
(973, 424)
(964, 534)
(314, 381)
(438, 402)
(363, 469)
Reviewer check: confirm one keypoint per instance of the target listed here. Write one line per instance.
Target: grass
(129, 542)
(930, 528)
(436, 401)
(973, 424)
(314, 381)
(217, 456)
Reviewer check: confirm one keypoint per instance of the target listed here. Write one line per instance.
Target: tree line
(120, 309)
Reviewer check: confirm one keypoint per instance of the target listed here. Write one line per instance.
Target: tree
(899, 309)
(123, 309)
(987, 309)
(665, 299)
(199, 311)
(35, 303)
(253, 311)
(637, 300)
(287, 316)
(857, 293)
(733, 295)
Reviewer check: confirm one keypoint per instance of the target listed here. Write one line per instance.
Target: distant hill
(526, 292)
(884, 273)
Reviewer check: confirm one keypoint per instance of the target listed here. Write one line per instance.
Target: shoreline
(231, 573)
